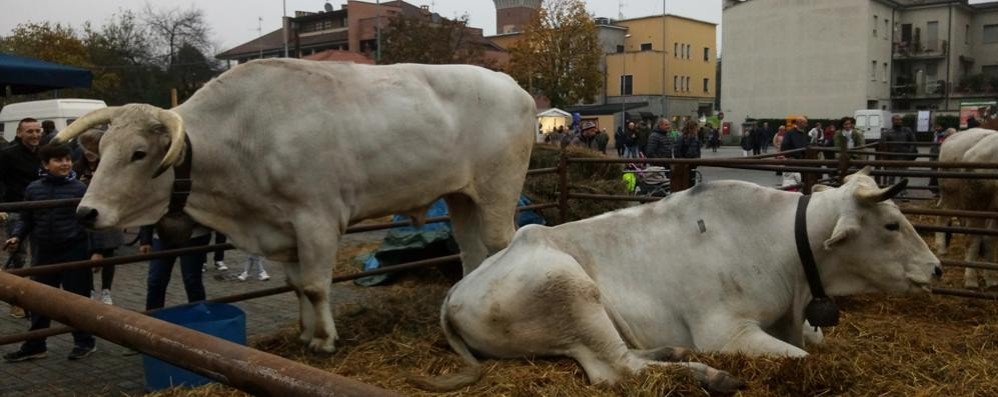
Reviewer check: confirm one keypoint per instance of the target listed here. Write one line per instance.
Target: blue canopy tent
(28, 76)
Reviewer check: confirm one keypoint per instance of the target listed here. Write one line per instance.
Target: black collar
(821, 311)
(182, 183)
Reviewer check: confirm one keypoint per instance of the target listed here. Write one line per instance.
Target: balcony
(930, 89)
(929, 49)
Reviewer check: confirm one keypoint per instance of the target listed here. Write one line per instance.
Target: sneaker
(264, 276)
(21, 355)
(220, 266)
(17, 312)
(105, 297)
(81, 352)
(242, 276)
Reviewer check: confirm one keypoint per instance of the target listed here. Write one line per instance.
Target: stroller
(651, 181)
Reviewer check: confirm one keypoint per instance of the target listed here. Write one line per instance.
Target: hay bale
(591, 178)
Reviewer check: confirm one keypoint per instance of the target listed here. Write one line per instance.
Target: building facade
(827, 59)
(513, 15)
(667, 62)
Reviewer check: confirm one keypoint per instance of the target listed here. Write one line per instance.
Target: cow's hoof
(322, 346)
(725, 383)
(305, 337)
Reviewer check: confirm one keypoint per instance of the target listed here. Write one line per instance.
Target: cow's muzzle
(86, 216)
(937, 272)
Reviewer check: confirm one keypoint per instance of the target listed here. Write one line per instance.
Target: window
(675, 50)
(875, 23)
(675, 83)
(706, 54)
(990, 71)
(687, 83)
(990, 35)
(884, 77)
(620, 48)
(645, 46)
(688, 51)
(626, 87)
(873, 71)
(887, 28)
(706, 85)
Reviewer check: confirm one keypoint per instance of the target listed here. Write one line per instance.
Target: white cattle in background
(972, 146)
(288, 153)
(713, 268)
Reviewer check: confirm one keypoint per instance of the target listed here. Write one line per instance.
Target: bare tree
(174, 28)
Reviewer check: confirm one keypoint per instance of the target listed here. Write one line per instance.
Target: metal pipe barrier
(950, 213)
(244, 368)
(52, 331)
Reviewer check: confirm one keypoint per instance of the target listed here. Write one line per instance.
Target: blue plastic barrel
(217, 319)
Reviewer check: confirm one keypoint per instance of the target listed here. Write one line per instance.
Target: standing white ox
(975, 145)
(287, 153)
(714, 268)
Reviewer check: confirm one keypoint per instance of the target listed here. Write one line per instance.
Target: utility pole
(377, 32)
(259, 33)
(284, 27)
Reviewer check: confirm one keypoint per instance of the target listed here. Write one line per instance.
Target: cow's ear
(845, 227)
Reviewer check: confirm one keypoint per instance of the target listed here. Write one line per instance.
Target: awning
(27, 75)
(605, 109)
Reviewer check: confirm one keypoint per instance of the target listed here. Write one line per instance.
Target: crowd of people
(33, 168)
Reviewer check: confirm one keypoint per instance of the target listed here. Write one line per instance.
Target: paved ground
(109, 372)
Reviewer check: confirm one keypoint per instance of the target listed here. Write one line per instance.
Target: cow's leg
(974, 246)
(941, 241)
(988, 253)
(306, 315)
(598, 346)
(744, 337)
(467, 230)
(316, 255)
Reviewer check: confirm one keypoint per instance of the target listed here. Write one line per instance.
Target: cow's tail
(467, 375)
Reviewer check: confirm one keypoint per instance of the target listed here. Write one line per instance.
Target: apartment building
(829, 58)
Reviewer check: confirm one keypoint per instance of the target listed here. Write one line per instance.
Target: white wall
(786, 57)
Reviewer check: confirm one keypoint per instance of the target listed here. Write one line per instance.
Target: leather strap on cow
(182, 183)
(821, 311)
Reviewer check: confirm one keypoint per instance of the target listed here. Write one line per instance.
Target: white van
(60, 111)
(871, 122)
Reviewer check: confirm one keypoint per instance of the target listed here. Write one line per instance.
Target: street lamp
(623, 74)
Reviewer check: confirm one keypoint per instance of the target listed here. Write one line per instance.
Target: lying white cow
(287, 153)
(714, 268)
(975, 145)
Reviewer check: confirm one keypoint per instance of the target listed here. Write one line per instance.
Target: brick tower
(513, 15)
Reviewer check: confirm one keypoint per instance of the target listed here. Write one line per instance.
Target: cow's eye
(138, 155)
(893, 226)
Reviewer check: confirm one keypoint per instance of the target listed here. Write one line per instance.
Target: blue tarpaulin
(27, 75)
(407, 243)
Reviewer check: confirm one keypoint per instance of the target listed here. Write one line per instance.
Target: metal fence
(261, 373)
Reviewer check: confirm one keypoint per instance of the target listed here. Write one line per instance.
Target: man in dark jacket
(899, 139)
(756, 137)
(57, 237)
(661, 144)
(795, 138)
(19, 166)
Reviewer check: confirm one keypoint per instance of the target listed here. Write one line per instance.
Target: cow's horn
(175, 126)
(99, 116)
(877, 195)
(865, 171)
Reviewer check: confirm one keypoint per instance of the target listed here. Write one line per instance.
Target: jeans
(77, 281)
(219, 254)
(190, 270)
(107, 271)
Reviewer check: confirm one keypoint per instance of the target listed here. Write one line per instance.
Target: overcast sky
(234, 22)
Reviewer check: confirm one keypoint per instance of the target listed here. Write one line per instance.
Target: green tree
(122, 48)
(52, 43)
(432, 39)
(559, 54)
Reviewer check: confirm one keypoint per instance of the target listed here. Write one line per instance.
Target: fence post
(844, 159)
(679, 178)
(809, 179)
(563, 187)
